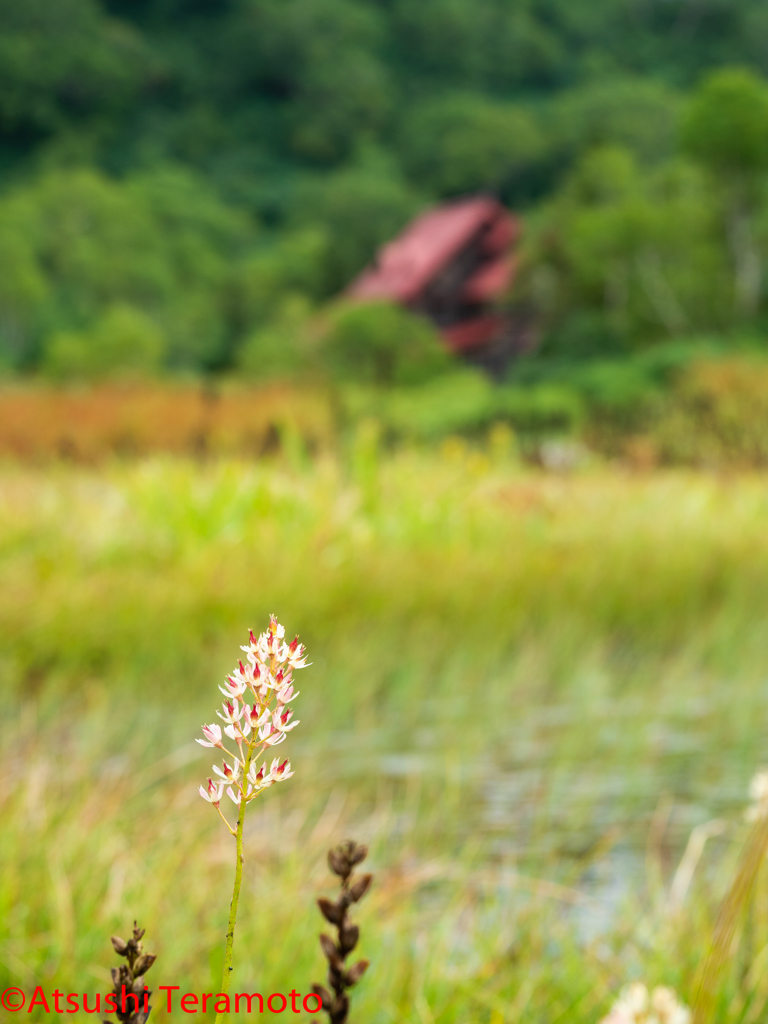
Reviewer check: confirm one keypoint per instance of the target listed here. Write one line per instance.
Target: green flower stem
(227, 975)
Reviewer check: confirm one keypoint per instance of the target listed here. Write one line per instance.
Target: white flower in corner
(636, 1006)
(758, 791)
(666, 1007)
(630, 1007)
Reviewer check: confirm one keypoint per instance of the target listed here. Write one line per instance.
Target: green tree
(64, 62)
(623, 257)
(726, 130)
(123, 343)
(80, 243)
(381, 343)
(461, 143)
(639, 114)
(359, 208)
(318, 60)
(282, 348)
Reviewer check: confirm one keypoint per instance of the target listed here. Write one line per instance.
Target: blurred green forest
(185, 184)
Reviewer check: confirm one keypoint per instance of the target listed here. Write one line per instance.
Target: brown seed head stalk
(128, 979)
(342, 860)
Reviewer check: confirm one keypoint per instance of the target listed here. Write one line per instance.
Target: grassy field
(527, 690)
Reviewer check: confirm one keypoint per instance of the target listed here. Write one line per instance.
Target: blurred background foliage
(531, 691)
(186, 187)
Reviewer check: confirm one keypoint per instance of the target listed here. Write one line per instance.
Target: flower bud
(121, 946)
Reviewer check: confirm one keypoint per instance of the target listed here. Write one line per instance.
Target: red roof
(490, 280)
(408, 264)
(473, 334)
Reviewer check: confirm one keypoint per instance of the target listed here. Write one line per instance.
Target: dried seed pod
(360, 887)
(129, 978)
(358, 855)
(348, 936)
(338, 863)
(344, 899)
(341, 861)
(331, 951)
(355, 973)
(326, 998)
(332, 912)
(144, 962)
(340, 1009)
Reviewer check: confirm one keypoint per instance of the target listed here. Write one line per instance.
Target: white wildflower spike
(256, 716)
(212, 735)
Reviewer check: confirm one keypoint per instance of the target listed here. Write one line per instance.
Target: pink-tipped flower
(212, 735)
(283, 771)
(269, 735)
(275, 629)
(226, 773)
(232, 712)
(281, 718)
(295, 654)
(257, 716)
(286, 693)
(239, 731)
(212, 793)
(234, 687)
(258, 780)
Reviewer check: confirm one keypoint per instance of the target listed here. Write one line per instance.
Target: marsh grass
(527, 690)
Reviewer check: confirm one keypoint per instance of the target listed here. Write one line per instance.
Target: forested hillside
(184, 182)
